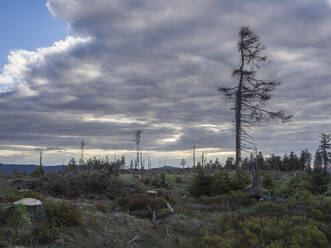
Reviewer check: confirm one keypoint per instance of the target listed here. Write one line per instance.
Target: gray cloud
(157, 65)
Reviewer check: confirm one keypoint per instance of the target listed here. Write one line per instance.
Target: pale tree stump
(34, 207)
(254, 189)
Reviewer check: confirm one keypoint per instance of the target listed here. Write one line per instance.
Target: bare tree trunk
(194, 156)
(238, 110)
(254, 189)
(138, 155)
(238, 133)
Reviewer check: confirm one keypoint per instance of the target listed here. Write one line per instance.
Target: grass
(203, 222)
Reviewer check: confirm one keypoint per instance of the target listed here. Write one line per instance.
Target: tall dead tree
(82, 145)
(137, 140)
(41, 160)
(324, 146)
(194, 156)
(250, 95)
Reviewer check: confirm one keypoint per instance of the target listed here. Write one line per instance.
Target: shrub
(178, 180)
(38, 172)
(267, 182)
(19, 218)
(218, 184)
(201, 184)
(45, 233)
(269, 208)
(233, 200)
(134, 202)
(141, 205)
(240, 180)
(12, 196)
(102, 207)
(317, 214)
(63, 214)
(95, 184)
(238, 231)
(221, 183)
(18, 225)
(167, 196)
(163, 213)
(319, 181)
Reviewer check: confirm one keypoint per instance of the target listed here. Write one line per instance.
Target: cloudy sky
(99, 70)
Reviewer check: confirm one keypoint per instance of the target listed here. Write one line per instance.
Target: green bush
(178, 180)
(163, 213)
(93, 184)
(235, 199)
(240, 180)
(134, 202)
(267, 182)
(12, 196)
(318, 181)
(269, 208)
(220, 183)
(63, 214)
(45, 233)
(19, 217)
(140, 202)
(238, 231)
(38, 172)
(201, 184)
(167, 196)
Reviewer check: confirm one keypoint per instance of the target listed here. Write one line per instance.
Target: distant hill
(27, 168)
(167, 167)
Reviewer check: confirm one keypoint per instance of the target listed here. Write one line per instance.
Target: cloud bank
(156, 65)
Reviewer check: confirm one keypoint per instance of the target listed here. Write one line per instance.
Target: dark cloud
(157, 65)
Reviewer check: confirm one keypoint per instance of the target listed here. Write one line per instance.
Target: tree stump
(152, 193)
(254, 189)
(34, 207)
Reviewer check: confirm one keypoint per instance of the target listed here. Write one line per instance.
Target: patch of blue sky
(28, 25)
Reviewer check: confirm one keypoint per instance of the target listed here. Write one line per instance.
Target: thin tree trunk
(238, 112)
(194, 156)
(137, 162)
(326, 162)
(254, 189)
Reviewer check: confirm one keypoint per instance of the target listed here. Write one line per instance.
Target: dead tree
(250, 95)
(82, 145)
(194, 156)
(323, 149)
(137, 140)
(254, 189)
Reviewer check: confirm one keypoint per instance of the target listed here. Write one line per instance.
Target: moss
(45, 233)
(263, 231)
(12, 196)
(63, 214)
(163, 213)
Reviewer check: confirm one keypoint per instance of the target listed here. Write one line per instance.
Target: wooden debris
(171, 209)
(133, 240)
(152, 193)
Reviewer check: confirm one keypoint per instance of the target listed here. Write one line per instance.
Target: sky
(99, 70)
